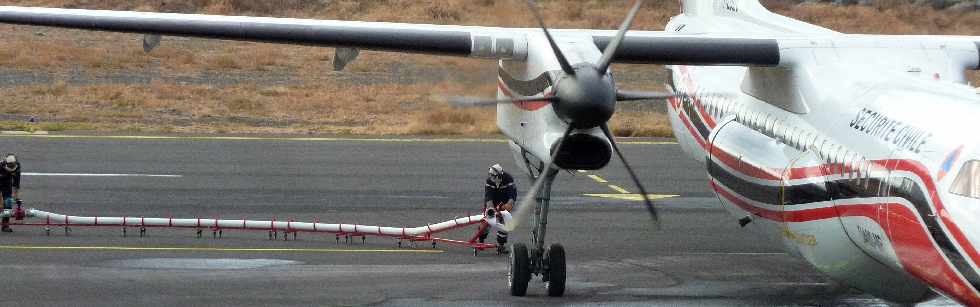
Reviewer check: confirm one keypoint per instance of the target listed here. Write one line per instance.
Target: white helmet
(496, 170)
(11, 159)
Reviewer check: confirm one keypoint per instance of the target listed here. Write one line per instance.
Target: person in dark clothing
(9, 186)
(500, 193)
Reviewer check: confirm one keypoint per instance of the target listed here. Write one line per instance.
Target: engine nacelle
(583, 151)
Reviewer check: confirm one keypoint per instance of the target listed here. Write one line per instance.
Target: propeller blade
(638, 95)
(565, 66)
(646, 198)
(465, 101)
(613, 47)
(523, 210)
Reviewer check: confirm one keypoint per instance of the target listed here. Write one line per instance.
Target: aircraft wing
(646, 47)
(469, 41)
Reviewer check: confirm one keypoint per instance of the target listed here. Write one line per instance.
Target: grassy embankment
(196, 85)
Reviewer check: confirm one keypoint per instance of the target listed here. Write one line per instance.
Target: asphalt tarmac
(699, 257)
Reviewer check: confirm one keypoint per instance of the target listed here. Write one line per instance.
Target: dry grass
(640, 124)
(888, 19)
(322, 108)
(317, 104)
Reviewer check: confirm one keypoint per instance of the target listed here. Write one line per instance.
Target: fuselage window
(967, 183)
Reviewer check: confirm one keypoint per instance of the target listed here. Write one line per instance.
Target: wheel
(556, 270)
(520, 271)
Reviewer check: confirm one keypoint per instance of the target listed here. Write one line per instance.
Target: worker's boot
(502, 249)
(5, 225)
(502, 243)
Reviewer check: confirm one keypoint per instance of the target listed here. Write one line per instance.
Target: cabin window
(967, 183)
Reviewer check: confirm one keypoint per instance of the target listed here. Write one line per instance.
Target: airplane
(852, 151)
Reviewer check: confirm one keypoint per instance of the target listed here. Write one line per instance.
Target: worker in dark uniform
(500, 194)
(9, 185)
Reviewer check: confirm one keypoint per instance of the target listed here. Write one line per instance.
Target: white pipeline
(54, 219)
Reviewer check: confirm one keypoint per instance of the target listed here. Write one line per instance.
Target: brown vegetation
(306, 109)
(317, 102)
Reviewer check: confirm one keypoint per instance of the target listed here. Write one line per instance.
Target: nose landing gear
(550, 263)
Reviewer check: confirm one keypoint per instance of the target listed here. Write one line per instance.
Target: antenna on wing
(150, 42)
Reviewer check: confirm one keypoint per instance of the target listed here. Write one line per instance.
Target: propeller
(585, 97)
(638, 95)
(466, 101)
(636, 180)
(565, 66)
(613, 47)
(523, 210)
(621, 96)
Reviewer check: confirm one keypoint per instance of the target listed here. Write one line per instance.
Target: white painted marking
(735, 253)
(8, 132)
(101, 175)
(632, 197)
(417, 197)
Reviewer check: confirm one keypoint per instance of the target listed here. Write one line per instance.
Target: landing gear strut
(536, 260)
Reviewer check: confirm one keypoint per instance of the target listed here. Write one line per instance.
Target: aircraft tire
(520, 270)
(556, 270)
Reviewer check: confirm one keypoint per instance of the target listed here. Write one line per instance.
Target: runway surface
(700, 257)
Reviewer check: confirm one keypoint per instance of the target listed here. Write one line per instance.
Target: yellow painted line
(598, 179)
(298, 139)
(618, 189)
(647, 142)
(218, 249)
(631, 197)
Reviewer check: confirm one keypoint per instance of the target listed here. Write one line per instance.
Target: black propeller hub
(586, 99)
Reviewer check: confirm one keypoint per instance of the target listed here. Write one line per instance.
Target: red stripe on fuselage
(911, 166)
(742, 166)
(689, 82)
(920, 170)
(773, 215)
(913, 245)
(690, 128)
(529, 105)
(921, 257)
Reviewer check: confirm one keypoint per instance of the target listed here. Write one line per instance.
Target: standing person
(9, 186)
(499, 196)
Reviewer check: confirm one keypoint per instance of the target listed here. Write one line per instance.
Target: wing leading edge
(429, 39)
(468, 41)
(690, 50)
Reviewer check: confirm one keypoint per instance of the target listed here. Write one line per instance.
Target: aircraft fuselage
(849, 167)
